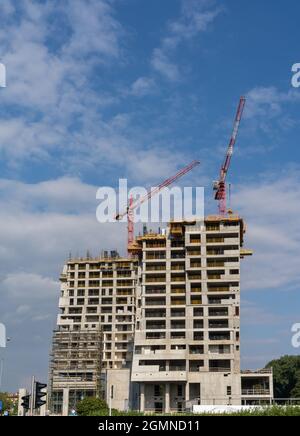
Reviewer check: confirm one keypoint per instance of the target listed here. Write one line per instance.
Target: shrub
(91, 406)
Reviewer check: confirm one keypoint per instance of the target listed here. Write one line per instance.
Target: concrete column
(65, 409)
(187, 392)
(167, 398)
(142, 397)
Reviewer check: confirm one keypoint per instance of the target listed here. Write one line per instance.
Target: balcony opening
(219, 366)
(196, 365)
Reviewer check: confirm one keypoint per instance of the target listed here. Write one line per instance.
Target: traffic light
(39, 395)
(26, 402)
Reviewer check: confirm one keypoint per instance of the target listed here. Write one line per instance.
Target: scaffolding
(76, 362)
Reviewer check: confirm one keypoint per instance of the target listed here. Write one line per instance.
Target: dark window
(180, 391)
(158, 391)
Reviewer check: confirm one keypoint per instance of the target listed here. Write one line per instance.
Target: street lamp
(3, 343)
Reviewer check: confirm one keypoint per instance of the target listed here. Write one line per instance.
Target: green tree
(6, 403)
(286, 372)
(296, 390)
(91, 406)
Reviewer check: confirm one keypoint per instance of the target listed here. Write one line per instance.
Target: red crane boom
(135, 204)
(220, 185)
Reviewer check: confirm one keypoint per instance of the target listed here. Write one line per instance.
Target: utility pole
(111, 395)
(1, 370)
(32, 398)
(3, 344)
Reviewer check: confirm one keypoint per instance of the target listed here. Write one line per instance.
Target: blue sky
(100, 90)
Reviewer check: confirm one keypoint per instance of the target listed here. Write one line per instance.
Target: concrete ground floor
(165, 396)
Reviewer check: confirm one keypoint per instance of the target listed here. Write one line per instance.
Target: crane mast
(220, 185)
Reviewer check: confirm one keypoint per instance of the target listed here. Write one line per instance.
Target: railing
(156, 303)
(215, 264)
(155, 279)
(215, 252)
(155, 245)
(177, 314)
(155, 291)
(177, 326)
(155, 268)
(219, 369)
(177, 368)
(218, 326)
(214, 240)
(177, 291)
(177, 279)
(155, 314)
(196, 351)
(218, 313)
(219, 289)
(212, 228)
(256, 392)
(177, 303)
(260, 371)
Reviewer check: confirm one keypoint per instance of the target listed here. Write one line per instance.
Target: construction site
(158, 330)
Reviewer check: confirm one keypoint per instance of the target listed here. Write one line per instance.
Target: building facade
(187, 338)
(161, 329)
(95, 330)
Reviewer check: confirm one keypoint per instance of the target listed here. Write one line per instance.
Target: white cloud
(94, 29)
(61, 117)
(196, 15)
(39, 225)
(46, 221)
(161, 63)
(23, 309)
(37, 75)
(266, 104)
(271, 208)
(28, 286)
(143, 86)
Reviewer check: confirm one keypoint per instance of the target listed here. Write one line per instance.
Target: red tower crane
(133, 204)
(220, 185)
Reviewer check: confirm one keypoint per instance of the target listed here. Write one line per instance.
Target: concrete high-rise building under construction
(159, 331)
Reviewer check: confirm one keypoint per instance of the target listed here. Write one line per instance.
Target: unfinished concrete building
(95, 331)
(162, 328)
(187, 338)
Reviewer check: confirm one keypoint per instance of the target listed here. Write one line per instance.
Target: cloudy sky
(99, 90)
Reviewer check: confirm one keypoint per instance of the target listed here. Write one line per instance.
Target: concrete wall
(119, 379)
